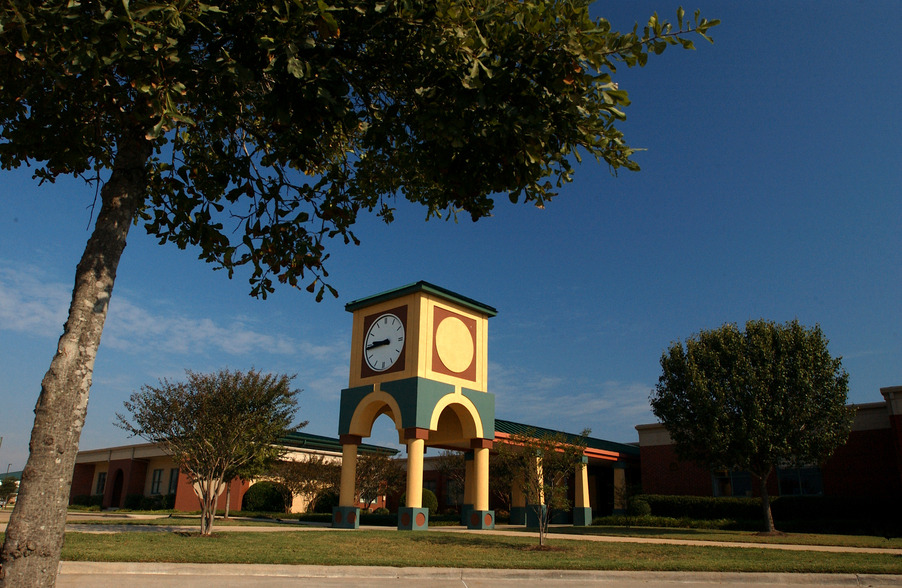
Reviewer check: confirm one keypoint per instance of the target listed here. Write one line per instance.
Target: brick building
(868, 466)
(114, 474)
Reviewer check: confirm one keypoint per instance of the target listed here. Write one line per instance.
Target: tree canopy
(214, 425)
(754, 399)
(263, 128)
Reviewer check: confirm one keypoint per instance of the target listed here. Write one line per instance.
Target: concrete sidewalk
(136, 575)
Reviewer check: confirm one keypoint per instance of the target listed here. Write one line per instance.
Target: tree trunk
(228, 500)
(34, 538)
(207, 493)
(765, 504)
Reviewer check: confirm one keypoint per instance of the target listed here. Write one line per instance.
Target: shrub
(133, 501)
(325, 502)
(703, 507)
(87, 500)
(381, 511)
(637, 506)
(429, 501)
(266, 497)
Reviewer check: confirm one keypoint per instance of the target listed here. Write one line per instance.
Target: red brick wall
(134, 473)
(866, 466)
(664, 473)
(82, 479)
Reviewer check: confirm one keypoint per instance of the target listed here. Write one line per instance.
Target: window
(173, 480)
(732, 483)
(803, 481)
(156, 481)
(101, 483)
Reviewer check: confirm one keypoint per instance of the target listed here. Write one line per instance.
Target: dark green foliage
(133, 501)
(702, 507)
(430, 501)
(267, 497)
(801, 514)
(8, 487)
(87, 500)
(157, 502)
(326, 501)
(637, 506)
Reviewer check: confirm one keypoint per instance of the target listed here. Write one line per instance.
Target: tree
(308, 477)
(541, 464)
(214, 424)
(451, 466)
(8, 487)
(257, 130)
(753, 400)
(378, 475)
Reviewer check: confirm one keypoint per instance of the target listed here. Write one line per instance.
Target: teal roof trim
(512, 428)
(320, 442)
(422, 286)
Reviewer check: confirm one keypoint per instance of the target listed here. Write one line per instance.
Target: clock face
(384, 342)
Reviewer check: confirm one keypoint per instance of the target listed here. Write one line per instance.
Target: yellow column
(348, 472)
(416, 447)
(582, 485)
(540, 479)
(481, 469)
(469, 481)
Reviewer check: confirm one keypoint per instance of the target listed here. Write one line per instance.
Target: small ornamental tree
(378, 475)
(308, 476)
(214, 424)
(542, 464)
(255, 131)
(753, 400)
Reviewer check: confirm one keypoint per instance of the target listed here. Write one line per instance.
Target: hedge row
(797, 513)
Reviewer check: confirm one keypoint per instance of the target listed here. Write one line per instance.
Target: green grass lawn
(434, 548)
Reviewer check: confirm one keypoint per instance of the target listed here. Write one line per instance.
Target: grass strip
(735, 536)
(417, 549)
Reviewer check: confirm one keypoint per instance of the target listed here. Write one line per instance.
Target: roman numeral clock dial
(384, 342)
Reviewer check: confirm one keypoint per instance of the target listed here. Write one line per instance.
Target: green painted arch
(466, 412)
(371, 407)
(416, 403)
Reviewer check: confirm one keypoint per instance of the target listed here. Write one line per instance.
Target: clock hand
(375, 344)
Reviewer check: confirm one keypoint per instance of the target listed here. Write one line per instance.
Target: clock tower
(419, 354)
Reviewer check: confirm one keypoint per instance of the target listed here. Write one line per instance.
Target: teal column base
(345, 517)
(465, 511)
(582, 516)
(413, 519)
(481, 519)
(518, 515)
(532, 514)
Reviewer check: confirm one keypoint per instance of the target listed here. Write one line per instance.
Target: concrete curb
(68, 568)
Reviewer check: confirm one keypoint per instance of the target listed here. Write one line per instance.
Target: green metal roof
(422, 286)
(512, 428)
(320, 442)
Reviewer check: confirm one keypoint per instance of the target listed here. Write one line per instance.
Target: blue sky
(771, 187)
